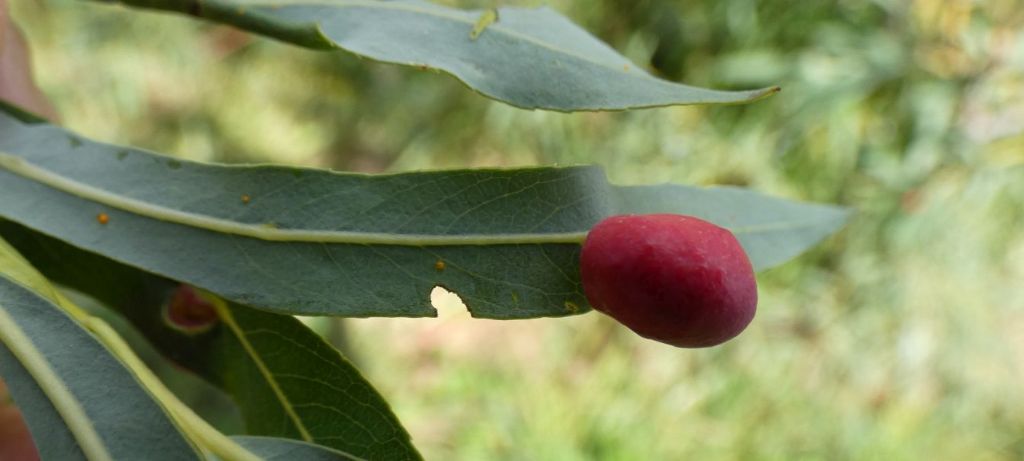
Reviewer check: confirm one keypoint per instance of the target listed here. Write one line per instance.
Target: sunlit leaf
(322, 243)
(531, 58)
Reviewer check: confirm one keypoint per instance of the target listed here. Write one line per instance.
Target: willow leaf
(276, 449)
(79, 400)
(301, 384)
(531, 58)
(317, 242)
(286, 380)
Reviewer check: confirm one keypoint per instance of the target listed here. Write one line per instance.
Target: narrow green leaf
(290, 383)
(79, 401)
(275, 449)
(322, 243)
(287, 381)
(530, 58)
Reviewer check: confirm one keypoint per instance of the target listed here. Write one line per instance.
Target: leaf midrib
(224, 312)
(25, 169)
(62, 399)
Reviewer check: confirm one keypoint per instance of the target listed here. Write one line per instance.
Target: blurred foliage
(902, 338)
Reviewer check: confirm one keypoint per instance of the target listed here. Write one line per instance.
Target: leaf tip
(764, 93)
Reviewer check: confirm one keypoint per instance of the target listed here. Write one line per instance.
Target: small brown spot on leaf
(439, 265)
(102, 218)
(246, 198)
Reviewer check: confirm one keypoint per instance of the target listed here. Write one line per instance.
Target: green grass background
(900, 338)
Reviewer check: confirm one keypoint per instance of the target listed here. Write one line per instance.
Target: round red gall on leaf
(189, 311)
(671, 278)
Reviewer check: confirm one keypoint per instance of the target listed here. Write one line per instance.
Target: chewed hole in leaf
(189, 312)
(448, 304)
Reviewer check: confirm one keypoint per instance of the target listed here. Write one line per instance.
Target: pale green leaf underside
(530, 58)
(323, 243)
(79, 401)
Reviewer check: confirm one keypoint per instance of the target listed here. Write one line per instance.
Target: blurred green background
(900, 338)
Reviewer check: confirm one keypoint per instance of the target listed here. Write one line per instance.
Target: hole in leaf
(448, 304)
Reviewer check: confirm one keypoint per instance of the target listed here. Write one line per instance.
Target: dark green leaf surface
(274, 449)
(530, 58)
(290, 383)
(286, 380)
(322, 243)
(79, 401)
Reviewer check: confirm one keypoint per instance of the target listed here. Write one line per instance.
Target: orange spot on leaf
(102, 218)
